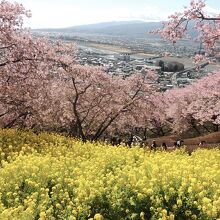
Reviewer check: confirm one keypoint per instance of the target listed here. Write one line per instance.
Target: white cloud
(149, 13)
(55, 16)
(70, 16)
(212, 11)
(56, 13)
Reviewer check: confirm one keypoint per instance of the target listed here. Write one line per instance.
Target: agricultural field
(48, 176)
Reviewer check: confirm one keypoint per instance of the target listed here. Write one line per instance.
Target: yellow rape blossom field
(47, 176)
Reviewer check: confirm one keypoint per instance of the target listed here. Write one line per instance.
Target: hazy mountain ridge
(116, 28)
(133, 29)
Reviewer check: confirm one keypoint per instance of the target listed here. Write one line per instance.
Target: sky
(67, 13)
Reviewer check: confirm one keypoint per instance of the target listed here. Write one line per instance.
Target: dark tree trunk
(194, 126)
(215, 127)
(145, 133)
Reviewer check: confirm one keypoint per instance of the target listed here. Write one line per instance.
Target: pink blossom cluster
(42, 87)
(208, 27)
(196, 105)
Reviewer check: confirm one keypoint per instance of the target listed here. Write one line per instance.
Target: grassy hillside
(48, 176)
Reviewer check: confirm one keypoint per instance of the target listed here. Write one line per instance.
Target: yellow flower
(194, 217)
(206, 200)
(164, 212)
(171, 217)
(179, 202)
(71, 175)
(98, 217)
(142, 215)
(58, 206)
(188, 212)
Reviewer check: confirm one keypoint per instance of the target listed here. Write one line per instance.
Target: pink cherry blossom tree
(42, 87)
(155, 113)
(196, 105)
(207, 26)
(97, 103)
(205, 107)
(27, 67)
(180, 118)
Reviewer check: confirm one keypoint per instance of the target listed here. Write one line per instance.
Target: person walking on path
(153, 145)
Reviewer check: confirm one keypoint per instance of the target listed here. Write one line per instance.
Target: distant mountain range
(115, 28)
(137, 29)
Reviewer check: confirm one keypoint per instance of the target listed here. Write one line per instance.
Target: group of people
(176, 144)
(135, 140)
(132, 140)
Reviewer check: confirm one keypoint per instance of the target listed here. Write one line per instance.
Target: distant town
(124, 54)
